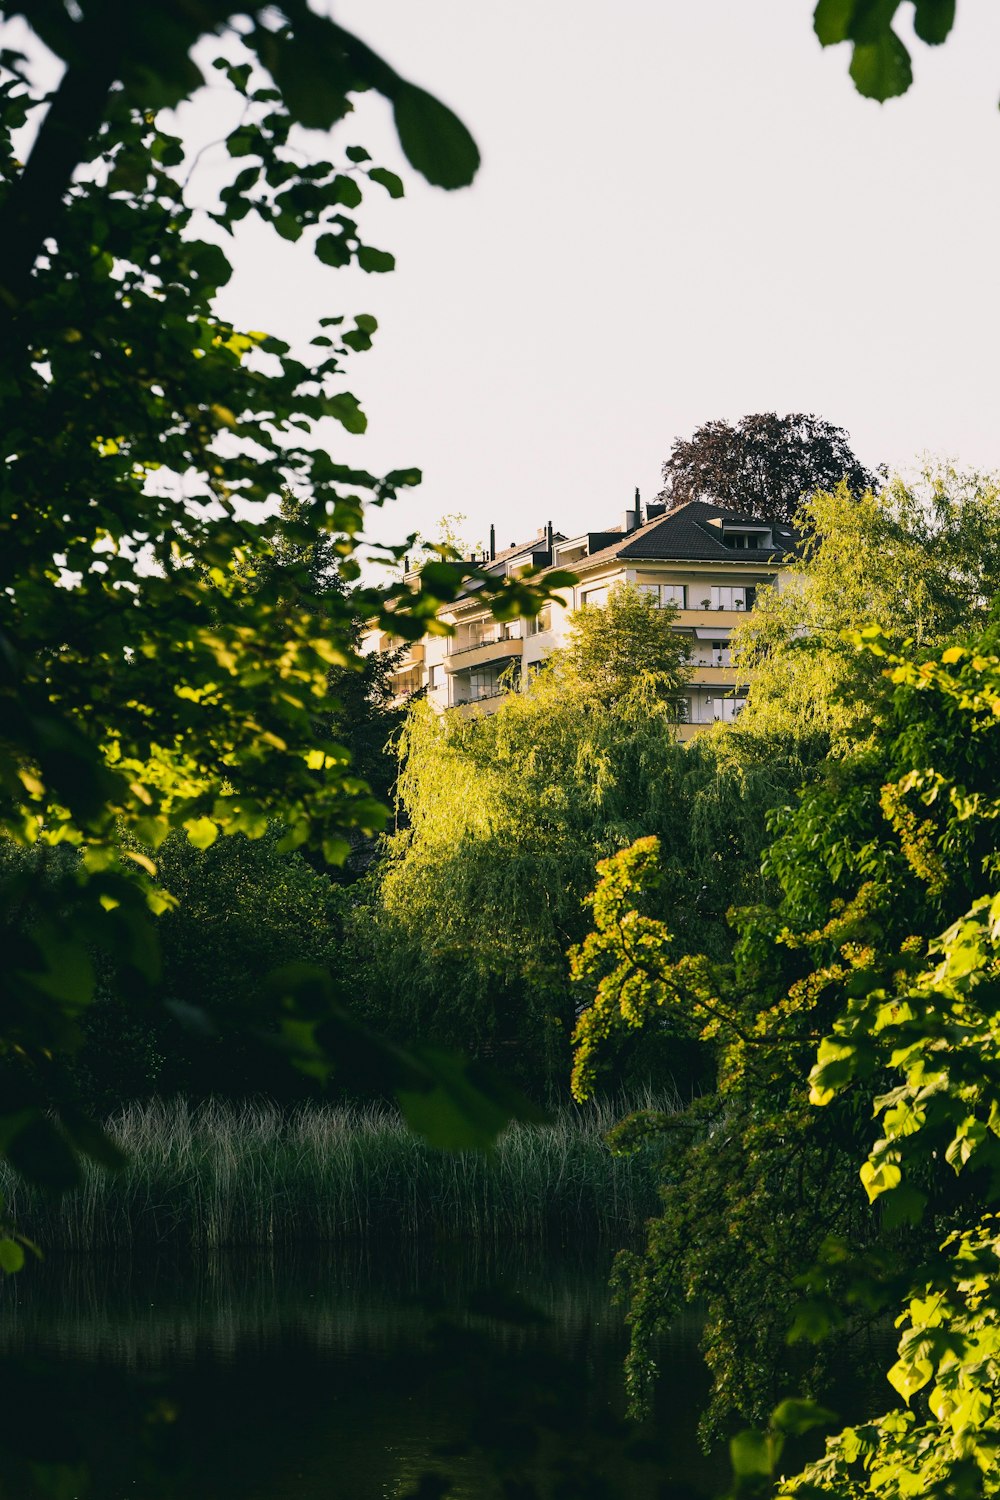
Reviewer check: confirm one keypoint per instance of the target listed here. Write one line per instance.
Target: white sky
(684, 212)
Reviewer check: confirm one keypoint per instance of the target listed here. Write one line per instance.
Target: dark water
(341, 1375)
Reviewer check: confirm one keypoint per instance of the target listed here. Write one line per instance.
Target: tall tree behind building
(764, 465)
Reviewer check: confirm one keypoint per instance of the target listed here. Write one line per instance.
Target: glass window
(594, 598)
(542, 621)
(664, 593)
(732, 598)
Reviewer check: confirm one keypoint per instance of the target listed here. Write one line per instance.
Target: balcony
(480, 653)
(413, 656)
(725, 618)
(720, 676)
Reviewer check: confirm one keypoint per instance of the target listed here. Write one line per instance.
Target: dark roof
(685, 534)
(535, 549)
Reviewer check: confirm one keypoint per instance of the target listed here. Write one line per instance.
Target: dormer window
(744, 535)
(742, 540)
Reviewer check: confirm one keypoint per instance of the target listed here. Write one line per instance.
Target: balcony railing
(460, 644)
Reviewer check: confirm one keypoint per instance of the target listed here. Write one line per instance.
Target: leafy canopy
(502, 818)
(921, 560)
(764, 466)
(160, 669)
(866, 988)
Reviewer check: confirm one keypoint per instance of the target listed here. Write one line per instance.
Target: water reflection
(346, 1375)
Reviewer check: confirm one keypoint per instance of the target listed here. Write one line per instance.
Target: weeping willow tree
(503, 819)
(921, 561)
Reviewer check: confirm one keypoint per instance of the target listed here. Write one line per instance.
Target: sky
(685, 212)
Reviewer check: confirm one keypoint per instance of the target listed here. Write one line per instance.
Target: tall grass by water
(220, 1174)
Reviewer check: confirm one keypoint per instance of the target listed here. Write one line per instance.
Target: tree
(155, 672)
(877, 964)
(921, 560)
(610, 651)
(502, 818)
(764, 466)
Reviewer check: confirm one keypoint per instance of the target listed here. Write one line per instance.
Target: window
(482, 682)
(721, 655)
(732, 598)
(594, 598)
(542, 621)
(432, 678)
(665, 594)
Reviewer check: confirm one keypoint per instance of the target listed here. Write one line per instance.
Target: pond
(343, 1374)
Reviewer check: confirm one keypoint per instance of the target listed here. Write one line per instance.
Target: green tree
(627, 644)
(921, 560)
(876, 963)
(503, 816)
(154, 675)
(243, 909)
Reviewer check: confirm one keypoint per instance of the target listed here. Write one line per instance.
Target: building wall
(465, 670)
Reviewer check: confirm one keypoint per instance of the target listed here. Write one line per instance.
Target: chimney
(630, 520)
(548, 538)
(493, 542)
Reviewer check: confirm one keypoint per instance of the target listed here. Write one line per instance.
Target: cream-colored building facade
(707, 562)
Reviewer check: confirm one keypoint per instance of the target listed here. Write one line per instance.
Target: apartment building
(706, 561)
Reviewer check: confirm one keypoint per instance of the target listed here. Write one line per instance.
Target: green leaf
(871, 20)
(89, 1138)
(345, 190)
(905, 1205)
(832, 21)
(11, 1256)
(933, 20)
(370, 259)
(335, 850)
(392, 184)
(795, 1416)
(881, 70)
(347, 411)
(243, 141)
(314, 79)
(69, 972)
(201, 832)
(434, 139)
(751, 1454)
(357, 153)
(464, 1107)
(332, 250)
(880, 1177)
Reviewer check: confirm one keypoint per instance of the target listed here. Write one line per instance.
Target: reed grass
(249, 1174)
